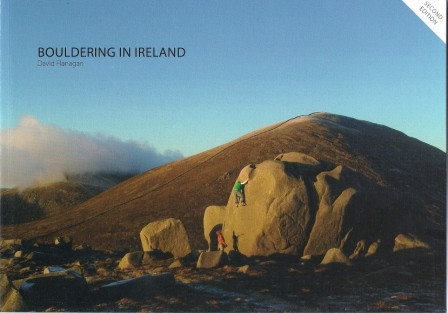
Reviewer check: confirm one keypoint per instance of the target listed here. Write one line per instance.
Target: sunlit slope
(183, 189)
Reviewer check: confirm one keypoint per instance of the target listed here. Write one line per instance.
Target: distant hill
(184, 188)
(34, 203)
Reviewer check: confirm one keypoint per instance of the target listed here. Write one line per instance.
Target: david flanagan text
(72, 64)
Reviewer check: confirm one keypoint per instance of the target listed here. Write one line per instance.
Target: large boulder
(277, 217)
(59, 287)
(297, 205)
(213, 218)
(168, 236)
(338, 193)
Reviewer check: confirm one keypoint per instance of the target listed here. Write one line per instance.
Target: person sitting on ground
(239, 192)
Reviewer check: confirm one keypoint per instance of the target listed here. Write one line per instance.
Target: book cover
(113, 112)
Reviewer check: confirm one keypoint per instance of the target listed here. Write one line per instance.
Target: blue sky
(248, 64)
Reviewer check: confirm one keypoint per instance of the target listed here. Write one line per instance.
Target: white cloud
(35, 153)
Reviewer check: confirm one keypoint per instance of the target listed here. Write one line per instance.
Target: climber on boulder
(239, 192)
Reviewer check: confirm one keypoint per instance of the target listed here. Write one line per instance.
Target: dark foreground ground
(411, 281)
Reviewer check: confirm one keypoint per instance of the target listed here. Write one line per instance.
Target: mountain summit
(184, 189)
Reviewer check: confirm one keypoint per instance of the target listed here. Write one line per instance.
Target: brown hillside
(41, 201)
(183, 189)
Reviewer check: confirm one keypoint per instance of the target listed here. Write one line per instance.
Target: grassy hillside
(183, 189)
(38, 202)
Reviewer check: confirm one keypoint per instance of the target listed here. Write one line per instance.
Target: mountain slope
(184, 188)
(37, 202)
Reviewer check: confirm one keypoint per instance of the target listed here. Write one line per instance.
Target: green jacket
(239, 185)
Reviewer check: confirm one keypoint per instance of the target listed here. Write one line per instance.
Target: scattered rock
(244, 269)
(211, 259)
(19, 254)
(83, 248)
(77, 268)
(137, 287)
(5, 243)
(131, 260)
(360, 250)
(373, 248)
(335, 255)
(176, 264)
(409, 241)
(168, 235)
(54, 288)
(5, 286)
(5, 262)
(11, 299)
(311, 259)
(64, 242)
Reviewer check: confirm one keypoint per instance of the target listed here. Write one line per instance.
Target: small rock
(64, 242)
(25, 270)
(83, 248)
(335, 255)
(4, 263)
(19, 254)
(176, 264)
(373, 248)
(131, 260)
(409, 241)
(77, 269)
(210, 259)
(244, 269)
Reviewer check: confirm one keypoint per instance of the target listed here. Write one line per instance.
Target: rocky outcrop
(297, 205)
(213, 217)
(339, 192)
(276, 213)
(168, 236)
(49, 283)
